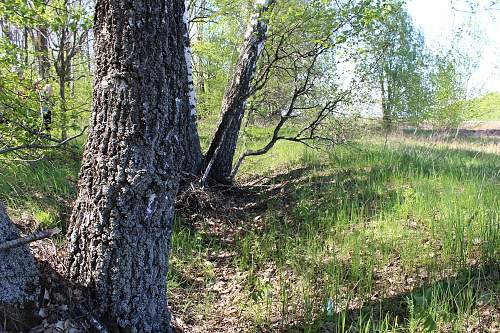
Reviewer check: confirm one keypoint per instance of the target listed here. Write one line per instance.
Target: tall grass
(372, 238)
(41, 190)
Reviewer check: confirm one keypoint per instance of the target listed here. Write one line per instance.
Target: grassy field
(396, 236)
(402, 237)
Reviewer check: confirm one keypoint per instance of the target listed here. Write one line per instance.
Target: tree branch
(29, 239)
(41, 146)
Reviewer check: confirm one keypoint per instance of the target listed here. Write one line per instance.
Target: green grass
(397, 238)
(402, 237)
(43, 190)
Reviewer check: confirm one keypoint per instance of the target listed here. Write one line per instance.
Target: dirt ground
(481, 125)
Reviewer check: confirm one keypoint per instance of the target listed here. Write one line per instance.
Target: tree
(120, 228)
(396, 63)
(450, 76)
(192, 147)
(67, 40)
(34, 76)
(19, 280)
(299, 86)
(219, 157)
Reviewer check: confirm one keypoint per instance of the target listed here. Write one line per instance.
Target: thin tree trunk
(26, 47)
(386, 113)
(62, 100)
(41, 47)
(192, 147)
(120, 229)
(42, 50)
(223, 146)
(200, 35)
(71, 79)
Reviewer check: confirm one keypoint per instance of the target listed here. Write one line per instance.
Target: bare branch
(29, 239)
(41, 146)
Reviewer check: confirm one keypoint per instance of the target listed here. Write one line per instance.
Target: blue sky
(438, 20)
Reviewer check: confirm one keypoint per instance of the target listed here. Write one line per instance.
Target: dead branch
(29, 239)
(41, 146)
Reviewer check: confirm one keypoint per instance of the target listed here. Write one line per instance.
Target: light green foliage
(450, 108)
(451, 72)
(486, 107)
(24, 93)
(215, 42)
(395, 60)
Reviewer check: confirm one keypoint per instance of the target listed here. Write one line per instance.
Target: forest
(249, 166)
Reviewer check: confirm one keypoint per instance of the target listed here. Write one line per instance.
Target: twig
(29, 239)
(41, 146)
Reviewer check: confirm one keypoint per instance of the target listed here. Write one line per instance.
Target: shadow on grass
(442, 300)
(360, 182)
(43, 190)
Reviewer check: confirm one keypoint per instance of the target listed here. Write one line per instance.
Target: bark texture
(19, 286)
(121, 223)
(219, 157)
(42, 52)
(192, 147)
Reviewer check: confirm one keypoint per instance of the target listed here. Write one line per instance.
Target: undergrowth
(372, 237)
(366, 238)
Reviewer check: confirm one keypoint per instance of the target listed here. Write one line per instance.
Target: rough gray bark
(219, 157)
(19, 284)
(120, 228)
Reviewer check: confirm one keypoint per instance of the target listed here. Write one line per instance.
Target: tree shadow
(262, 225)
(470, 286)
(299, 197)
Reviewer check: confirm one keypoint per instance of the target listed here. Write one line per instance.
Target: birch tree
(219, 157)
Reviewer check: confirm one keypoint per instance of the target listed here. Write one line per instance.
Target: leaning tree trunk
(219, 157)
(192, 147)
(120, 229)
(19, 287)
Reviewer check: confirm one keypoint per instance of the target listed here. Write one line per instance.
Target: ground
(396, 235)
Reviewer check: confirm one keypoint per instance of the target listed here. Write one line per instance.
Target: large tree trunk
(121, 224)
(219, 158)
(19, 286)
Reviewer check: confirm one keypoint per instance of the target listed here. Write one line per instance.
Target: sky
(438, 19)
